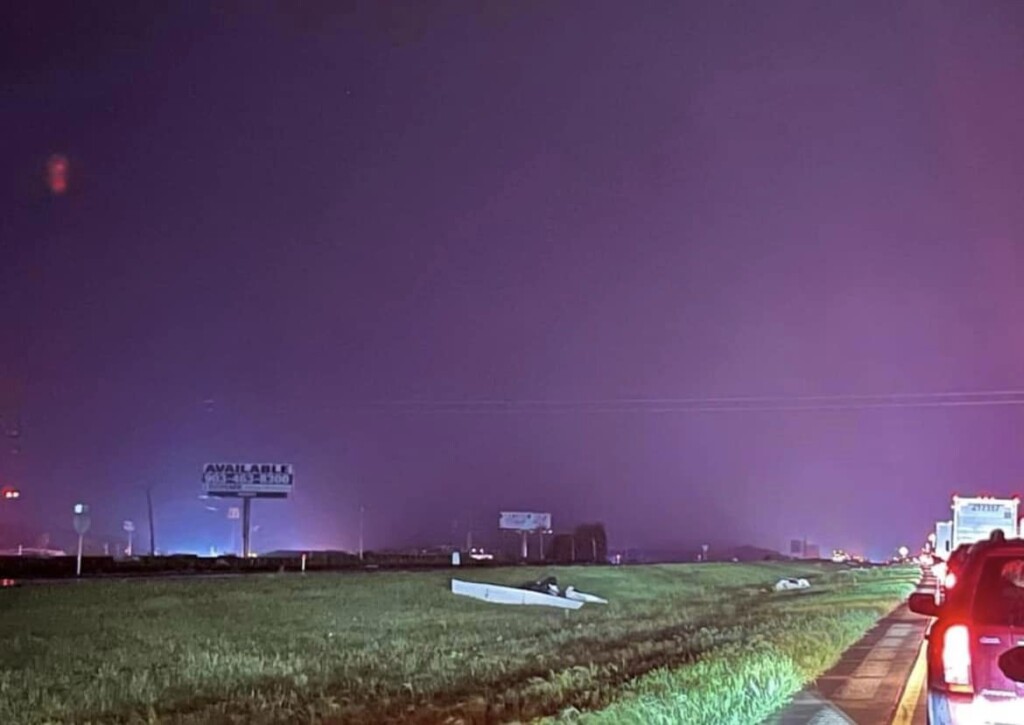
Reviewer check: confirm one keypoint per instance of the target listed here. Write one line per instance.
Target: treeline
(58, 567)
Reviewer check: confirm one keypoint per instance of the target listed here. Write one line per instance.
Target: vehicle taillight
(950, 581)
(956, 658)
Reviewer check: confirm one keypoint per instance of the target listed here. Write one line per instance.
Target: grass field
(677, 643)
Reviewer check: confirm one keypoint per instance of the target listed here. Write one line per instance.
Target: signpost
(247, 481)
(129, 527)
(82, 523)
(524, 522)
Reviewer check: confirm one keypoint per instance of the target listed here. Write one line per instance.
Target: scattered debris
(544, 592)
(571, 593)
(784, 585)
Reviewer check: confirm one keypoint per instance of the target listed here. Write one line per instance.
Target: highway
(881, 679)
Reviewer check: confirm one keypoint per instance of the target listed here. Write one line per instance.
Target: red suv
(981, 619)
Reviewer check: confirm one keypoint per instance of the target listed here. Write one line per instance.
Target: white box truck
(976, 517)
(943, 539)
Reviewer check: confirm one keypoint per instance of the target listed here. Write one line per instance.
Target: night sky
(323, 232)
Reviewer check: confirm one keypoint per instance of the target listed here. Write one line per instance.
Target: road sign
(234, 513)
(524, 521)
(248, 480)
(129, 526)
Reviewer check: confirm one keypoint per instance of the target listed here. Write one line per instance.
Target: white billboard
(524, 521)
(248, 480)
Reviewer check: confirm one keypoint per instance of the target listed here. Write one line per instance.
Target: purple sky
(298, 209)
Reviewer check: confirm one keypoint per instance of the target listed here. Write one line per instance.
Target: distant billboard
(524, 521)
(248, 480)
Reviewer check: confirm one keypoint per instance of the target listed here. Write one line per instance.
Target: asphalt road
(877, 681)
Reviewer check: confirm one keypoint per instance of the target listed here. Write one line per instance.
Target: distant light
(57, 174)
(903, 552)
(79, 508)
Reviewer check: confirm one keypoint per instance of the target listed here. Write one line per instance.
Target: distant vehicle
(480, 555)
(976, 517)
(943, 539)
(980, 622)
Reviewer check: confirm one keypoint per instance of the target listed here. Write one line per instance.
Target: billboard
(524, 521)
(248, 480)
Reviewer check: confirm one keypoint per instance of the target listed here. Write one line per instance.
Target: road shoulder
(866, 685)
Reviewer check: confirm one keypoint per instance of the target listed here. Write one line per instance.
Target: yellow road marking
(912, 692)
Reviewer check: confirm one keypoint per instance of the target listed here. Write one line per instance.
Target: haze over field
(324, 233)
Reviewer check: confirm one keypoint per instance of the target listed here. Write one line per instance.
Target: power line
(710, 399)
(734, 404)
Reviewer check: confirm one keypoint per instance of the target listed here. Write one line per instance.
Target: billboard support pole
(246, 503)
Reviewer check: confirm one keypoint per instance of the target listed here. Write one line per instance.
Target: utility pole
(361, 510)
(152, 529)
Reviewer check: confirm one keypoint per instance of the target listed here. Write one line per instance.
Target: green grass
(678, 643)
